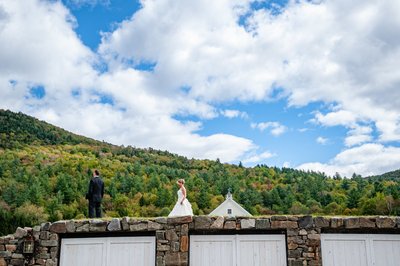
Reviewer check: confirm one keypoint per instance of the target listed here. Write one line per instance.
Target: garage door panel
(360, 249)
(109, 251)
(341, 252)
(241, 250)
(80, 253)
(386, 252)
(261, 250)
(212, 250)
(130, 251)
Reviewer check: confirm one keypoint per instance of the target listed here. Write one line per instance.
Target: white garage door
(360, 250)
(237, 250)
(109, 251)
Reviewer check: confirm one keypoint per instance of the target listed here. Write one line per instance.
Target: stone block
(114, 225)
(11, 248)
(314, 236)
(163, 247)
(385, 222)
(17, 262)
(263, 223)
(153, 226)
(44, 235)
(296, 263)
(337, 222)
(43, 256)
(175, 246)
(54, 252)
(160, 261)
(230, 225)
(2, 248)
(70, 226)
(36, 228)
(321, 222)
(53, 237)
(184, 243)
(125, 223)
(283, 224)
(160, 235)
(309, 254)
(17, 256)
(202, 222)
(97, 225)
(180, 220)
(184, 229)
(218, 223)
(83, 228)
(51, 262)
(138, 227)
(292, 245)
(171, 235)
(353, 222)
(59, 227)
(398, 222)
(314, 262)
(303, 232)
(5, 254)
(367, 222)
(176, 259)
(247, 223)
(40, 261)
(3, 262)
(49, 243)
(20, 232)
(45, 226)
(279, 218)
(306, 222)
(161, 220)
(295, 254)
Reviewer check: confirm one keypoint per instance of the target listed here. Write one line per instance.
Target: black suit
(95, 195)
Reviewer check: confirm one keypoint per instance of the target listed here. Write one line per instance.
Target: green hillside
(17, 129)
(45, 170)
(389, 176)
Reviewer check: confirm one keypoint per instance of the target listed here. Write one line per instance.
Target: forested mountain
(45, 170)
(393, 175)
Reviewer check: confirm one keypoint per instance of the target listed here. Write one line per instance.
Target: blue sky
(307, 84)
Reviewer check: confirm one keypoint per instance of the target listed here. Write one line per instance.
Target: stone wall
(172, 235)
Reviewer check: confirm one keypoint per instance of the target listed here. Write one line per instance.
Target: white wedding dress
(181, 209)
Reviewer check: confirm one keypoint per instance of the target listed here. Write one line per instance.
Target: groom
(95, 194)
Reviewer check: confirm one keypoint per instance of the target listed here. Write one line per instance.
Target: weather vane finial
(229, 195)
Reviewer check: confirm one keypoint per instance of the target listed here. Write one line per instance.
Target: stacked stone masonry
(303, 235)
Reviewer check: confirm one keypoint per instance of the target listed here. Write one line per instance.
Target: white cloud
(302, 130)
(39, 47)
(234, 113)
(275, 128)
(358, 135)
(81, 3)
(338, 118)
(367, 159)
(258, 158)
(322, 140)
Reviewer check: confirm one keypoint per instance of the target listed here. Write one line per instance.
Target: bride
(182, 206)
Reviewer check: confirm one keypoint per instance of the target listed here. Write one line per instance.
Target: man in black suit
(95, 194)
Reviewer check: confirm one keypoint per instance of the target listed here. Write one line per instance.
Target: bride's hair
(181, 181)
